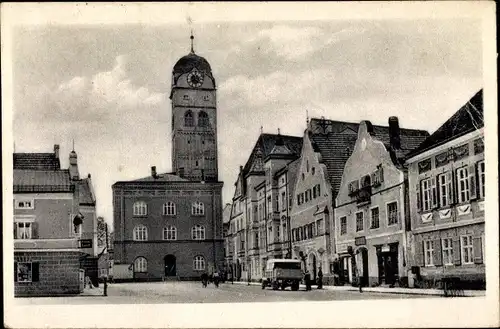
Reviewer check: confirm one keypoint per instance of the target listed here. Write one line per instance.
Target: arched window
(199, 263)
(188, 119)
(140, 208)
(169, 208)
(170, 233)
(203, 119)
(140, 233)
(198, 208)
(198, 232)
(140, 265)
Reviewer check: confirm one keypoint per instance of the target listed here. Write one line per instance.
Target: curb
(466, 293)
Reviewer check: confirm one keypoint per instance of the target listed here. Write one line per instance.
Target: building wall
(89, 229)
(52, 213)
(312, 173)
(445, 216)
(155, 248)
(369, 155)
(58, 273)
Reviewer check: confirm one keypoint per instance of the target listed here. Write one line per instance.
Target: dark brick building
(170, 225)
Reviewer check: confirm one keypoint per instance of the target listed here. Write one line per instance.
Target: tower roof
(186, 63)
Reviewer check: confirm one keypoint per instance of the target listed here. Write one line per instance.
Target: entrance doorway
(388, 266)
(170, 265)
(364, 263)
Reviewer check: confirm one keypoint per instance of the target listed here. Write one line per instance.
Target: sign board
(359, 241)
(386, 248)
(85, 243)
(341, 248)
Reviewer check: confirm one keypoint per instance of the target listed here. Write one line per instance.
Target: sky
(106, 86)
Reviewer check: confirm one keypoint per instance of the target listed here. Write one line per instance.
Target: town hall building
(169, 225)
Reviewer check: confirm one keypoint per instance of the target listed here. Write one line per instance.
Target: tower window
(186, 97)
(188, 119)
(206, 98)
(203, 119)
(196, 163)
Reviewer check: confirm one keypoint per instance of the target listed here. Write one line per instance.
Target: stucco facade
(370, 214)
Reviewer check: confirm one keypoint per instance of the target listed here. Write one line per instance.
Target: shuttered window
(463, 184)
(429, 253)
(481, 177)
(467, 249)
(443, 190)
(447, 247)
(426, 195)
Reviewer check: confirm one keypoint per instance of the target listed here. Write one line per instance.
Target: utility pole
(107, 266)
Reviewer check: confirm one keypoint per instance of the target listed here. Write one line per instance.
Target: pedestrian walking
(204, 280)
(307, 279)
(216, 279)
(320, 279)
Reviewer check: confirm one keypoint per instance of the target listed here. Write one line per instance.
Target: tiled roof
(293, 168)
(42, 181)
(468, 118)
(85, 192)
(335, 141)
(166, 177)
(36, 161)
(266, 143)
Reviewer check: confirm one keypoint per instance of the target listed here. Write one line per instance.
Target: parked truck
(282, 273)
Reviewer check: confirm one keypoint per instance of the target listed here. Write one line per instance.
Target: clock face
(195, 79)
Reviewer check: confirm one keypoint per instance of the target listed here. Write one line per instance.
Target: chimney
(56, 151)
(394, 133)
(153, 172)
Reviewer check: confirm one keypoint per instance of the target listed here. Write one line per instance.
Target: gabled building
(256, 223)
(447, 193)
(50, 224)
(371, 206)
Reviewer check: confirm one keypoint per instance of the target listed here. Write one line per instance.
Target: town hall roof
(42, 181)
(468, 118)
(165, 177)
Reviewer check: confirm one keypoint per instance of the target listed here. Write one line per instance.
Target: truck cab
(282, 273)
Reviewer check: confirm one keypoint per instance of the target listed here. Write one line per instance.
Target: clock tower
(194, 119)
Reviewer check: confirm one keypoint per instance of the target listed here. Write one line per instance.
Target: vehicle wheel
(295, 286)
(263, 285)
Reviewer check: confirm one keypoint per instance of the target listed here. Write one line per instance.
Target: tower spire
(192, 42)
(73, 145)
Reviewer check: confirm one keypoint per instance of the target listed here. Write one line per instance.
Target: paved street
(193, 292)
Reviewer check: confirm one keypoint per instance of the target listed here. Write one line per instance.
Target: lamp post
(106, 276)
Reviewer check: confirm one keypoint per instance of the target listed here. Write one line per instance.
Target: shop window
(26, 271)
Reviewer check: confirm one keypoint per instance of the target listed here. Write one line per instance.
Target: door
(170, 265)
(364, 256)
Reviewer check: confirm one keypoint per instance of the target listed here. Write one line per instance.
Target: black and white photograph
(250, 164)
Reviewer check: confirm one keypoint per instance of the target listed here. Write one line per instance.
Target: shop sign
(386, 248)
(85, 243)
(360, 241)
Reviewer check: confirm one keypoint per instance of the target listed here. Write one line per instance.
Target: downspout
(289, 229)
(214, 233)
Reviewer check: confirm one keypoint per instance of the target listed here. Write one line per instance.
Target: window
(307, 195)
(298, 199)
(359, 221)
(318, 190)
(23, 230)
(188, 119)
(429, 253)
(256, 240)
(375, 218)
(447, 248)
(169, 208)
(343, 225)
(284, 232)
(307, 165)
(481, 170)
(313, 170)
(467, 250)
(392, 213)
(140, 265)
(140, 208)
(170, 233)
(270, 234)
(140, 233)
(319, 227)
(199, 263)
(283, 201)
(186, 97)
(426, 195)
(24, 204)
(443, 190)
(206, 97)
(198, 232)
(203, 119)
(26, 271)
(463, 184)
(198, 208)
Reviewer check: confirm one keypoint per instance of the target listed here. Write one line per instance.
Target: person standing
(320, 279)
